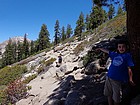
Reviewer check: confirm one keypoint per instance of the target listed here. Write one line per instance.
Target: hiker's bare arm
(130, 76)
(103, 50)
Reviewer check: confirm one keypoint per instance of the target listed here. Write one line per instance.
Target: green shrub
(45, 64)
(9, 74)
(2, 97)
(50, 61)
(14, 92)
(2, 87)
(29, 87)
(90, 56)
(28, 79)
(80, 47)
(40, 69)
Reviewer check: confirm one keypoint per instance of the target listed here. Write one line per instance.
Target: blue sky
(18, 17)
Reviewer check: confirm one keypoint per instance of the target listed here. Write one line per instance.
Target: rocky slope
(44, 85)
(70, 83)
(67, 84)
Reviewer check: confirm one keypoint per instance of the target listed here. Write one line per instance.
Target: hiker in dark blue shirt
(119, 72)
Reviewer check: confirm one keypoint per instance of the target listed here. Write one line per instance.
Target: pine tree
(111, 12)
(105, 18)
(19, 51)
(120, 10)
(8, 54)
(3, 61)
(57, 36)
(97, 17)
(80, 27)
(68, 31)
(100, 2)
(87, 23)
(25, 47)
(44, 41)
(14, 46)
(63, 34)
(32, 49)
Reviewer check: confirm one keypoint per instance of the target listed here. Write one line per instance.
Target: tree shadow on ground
(78, 92)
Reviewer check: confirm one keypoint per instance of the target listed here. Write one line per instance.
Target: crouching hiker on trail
(119, 73)
(59, 60)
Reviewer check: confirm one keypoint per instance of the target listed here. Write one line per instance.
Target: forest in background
(15, 52)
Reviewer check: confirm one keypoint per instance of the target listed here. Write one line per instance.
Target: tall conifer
(97, 17)
(8, 54)
(19, 51)
(120, 10)
(57, 36)
(111, 12)
(68, 31)
(80, 26)
(44, 41)
(87, 23)
(32, 49)
(25, 47)
(63, 33)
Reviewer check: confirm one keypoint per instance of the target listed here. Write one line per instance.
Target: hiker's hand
(103, 50)
(97, 49)
(132, 83)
